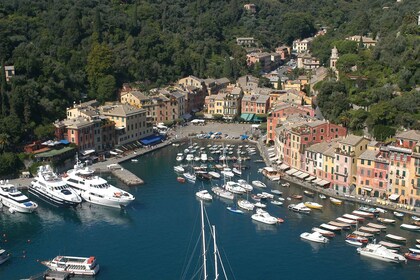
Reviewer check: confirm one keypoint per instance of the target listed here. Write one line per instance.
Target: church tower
(333, 59)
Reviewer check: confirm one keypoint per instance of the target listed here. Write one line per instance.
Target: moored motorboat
(234, 210)
(296, 196)
(410, 227)
(330, 227)
(245, 204)
(373, 225)
(300, 208)
(190, 177)
(415, 218)
(276, 192)
(396, 238)
(386, 221)
(234, 187)
(414, 250)
(308, 193)
(73, 265)
(214, 174)
(354, 242)
(263, 217)
(379, 252)
(265, 195)
(341, 225)
(258, 184)
(313, 205)
(358, 238)
(364, 234)
(398, 214)
(347, 221)
(370, 230)
(412, 256)
(324, 232)
(275, 202)
(321, 196)
(390, 245)
(260, 205)
(223, 193)
(244, 184)
(204, 195)
(353, 217)
(362, 214)
(179, 169)
(11, 197)
(179, 157)
(336, 201)
(314, 237)
(180, 179)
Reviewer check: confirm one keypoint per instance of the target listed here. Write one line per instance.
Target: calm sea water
(154, 238)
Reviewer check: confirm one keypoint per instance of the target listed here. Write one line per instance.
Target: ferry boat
(48, 186)
(73, 265)
(379, 252)
(11, 197)
(95, 189)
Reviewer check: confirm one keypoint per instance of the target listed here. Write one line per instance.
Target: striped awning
(291, 171)
(310, 178)
(303, 175)
(317, 181)
(323, 183)
(284, 167)
(297, 174)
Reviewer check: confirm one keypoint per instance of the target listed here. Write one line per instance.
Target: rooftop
(352, 140)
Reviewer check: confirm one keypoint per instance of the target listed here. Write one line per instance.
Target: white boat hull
(17, 207)
(105, 201)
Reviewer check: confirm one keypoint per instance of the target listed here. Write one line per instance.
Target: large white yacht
(11, 197)
(73, 265)
(51, 188)
(379, 252)
(95, 189)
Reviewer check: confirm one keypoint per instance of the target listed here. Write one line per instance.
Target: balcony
(344, 152)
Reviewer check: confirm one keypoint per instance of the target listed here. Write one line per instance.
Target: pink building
(254, 104)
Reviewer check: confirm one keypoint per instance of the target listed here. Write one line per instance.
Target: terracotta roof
(369, 155)
(352, 140)
(410, 135)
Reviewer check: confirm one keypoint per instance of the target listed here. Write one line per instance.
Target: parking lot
(222, 130)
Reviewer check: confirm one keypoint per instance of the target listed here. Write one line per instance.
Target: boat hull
(16, 206)
(117, 203)
(52, 200)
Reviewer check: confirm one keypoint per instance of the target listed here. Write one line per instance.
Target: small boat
(263, 217)
(410, 227)
(255, 197)
(265, 195)
(73, 265)
(386, 221)
(353, 217)
(341, 225)
(296, 196)
(204, 195)
(281, 198)
(415, 218)
(370, 230)
(336, 201)
(308, 193)
(214, 174)
(390, 245)
(358, 238)
(179, 169)
(134, 160)
(258, 184)
(369, 210)
(380, 210)
(260, 205)
(223, 193)
(300, 208)
(244, 184)
(396, 238)
(398, 214)
(180, 179)
(380, 252)
(313, 205)
(234, 210)
(4, 256)
(413, 250)
(418, 241)
(203, 175)
(190, 177)
(285, 185)
(380, 227)
(354, 243)
(277, 203)
(412, 256)
(314, 237)
(330, 227)
(362, 214)
(179, 157)
(417, 223)
(321, 196)
(276, 192)
(245, 204)
(364, 234)
(234, 187)
(347, 221)
(324, 232)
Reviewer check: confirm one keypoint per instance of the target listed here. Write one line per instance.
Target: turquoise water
(154, 237)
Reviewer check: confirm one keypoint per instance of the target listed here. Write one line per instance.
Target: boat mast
(204, 241)
(216, 273)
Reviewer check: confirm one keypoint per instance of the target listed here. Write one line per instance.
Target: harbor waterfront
(152, 237)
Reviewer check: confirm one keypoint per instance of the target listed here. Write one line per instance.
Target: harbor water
(154, 237)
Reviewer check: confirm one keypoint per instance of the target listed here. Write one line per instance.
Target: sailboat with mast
(217, 260)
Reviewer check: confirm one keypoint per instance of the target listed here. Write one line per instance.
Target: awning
(270, 150)
(247, 117)
(64, 141)
(317, 181)
(187, 117)
(274, 158)
(271, 155)
(291, 171)
(284, 167)
(278, 162)
(303, 175)
(152, 139)
(394, 196)
(310, 178)
(87, 152)
(269, 169)
(323, 183)
(367, 189)
(296, 174)
(113, 153)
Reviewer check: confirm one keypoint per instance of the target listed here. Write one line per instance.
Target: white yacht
(204, 195)
(245, 204)
(379, 252)
(203, 157)
(263, 217)
(179, 169)
(258, 184)
(50, 187)
(214, 174)
(227, 172)
(223, 193)
(234, 187)
(73, 265)
(190, 157)
(95, 189)
(190, 177)
(244, 184)
(300, 208)
(11, 197)
(179, 157)
(314, 237)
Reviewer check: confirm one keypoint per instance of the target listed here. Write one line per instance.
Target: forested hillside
(64, 50)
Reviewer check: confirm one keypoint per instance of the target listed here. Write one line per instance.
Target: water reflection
(261, 227)
(91, 214)
(314, 245)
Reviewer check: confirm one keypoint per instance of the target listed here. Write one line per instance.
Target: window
(367, 182)
(363, 161)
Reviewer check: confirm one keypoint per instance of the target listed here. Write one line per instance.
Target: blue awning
(244, 137)
(64, 141)
(152, 139)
